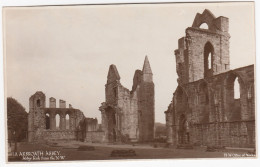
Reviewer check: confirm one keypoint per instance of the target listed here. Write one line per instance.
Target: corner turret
(147, 71)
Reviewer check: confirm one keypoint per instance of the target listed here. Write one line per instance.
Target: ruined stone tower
(203, 52)
(36, 113)
(146, 103)
(129, 114)
(204, 109)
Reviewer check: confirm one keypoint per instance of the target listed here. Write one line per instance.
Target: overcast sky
(66, 51)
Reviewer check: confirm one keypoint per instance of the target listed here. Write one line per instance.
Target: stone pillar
(62, 122)
(170, 134)
(105, 125)
(72, 122)
(245, 114)
(103, 122)
(174, 135)
(52, 102)
(52, 122)
(118, 118)
(62, 104)
(75, 120)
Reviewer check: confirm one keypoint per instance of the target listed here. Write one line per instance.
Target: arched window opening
(233, 94)
(249, 93)
(204, 26)
(208, 59)
(67, 121)
(57, 118)
(236, 89)
(195, 99)
(47, 120)
(216, 98)
(38, 103)
(183, 133)
(186, 124)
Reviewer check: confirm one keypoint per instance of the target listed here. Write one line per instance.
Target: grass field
(68, 151)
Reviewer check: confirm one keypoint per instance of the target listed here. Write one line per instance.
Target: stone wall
(127, 102)
(59, 135)
(231, 134)
(204, 109)
(91, 124)
(193, 50)
(95, 137)
(129, 114)
(42, 121)
(212, 115)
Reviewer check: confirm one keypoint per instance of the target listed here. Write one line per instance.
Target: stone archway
(235, 93)
(183, 133)
(47, 121)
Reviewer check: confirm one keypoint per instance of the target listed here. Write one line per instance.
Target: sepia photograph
(130, 81)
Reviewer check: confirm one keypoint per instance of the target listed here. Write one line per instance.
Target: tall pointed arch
(208, 59)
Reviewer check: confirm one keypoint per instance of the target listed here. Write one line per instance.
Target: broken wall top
(219, 24)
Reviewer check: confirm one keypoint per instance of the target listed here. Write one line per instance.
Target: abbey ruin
(129, 114)
(205, 109)
(42, 123)
(125, 114)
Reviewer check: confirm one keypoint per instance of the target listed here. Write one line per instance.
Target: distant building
(42, 123)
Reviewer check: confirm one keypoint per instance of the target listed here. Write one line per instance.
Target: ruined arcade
(42, 120)
(206, 108)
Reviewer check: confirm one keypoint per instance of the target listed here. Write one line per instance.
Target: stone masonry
(42, 120)
(129, 114)
(204, 109)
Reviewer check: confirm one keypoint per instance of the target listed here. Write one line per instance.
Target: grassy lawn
(68, 151)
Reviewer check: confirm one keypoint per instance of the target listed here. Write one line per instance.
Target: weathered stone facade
(129, 113)
(89, 132)
(91, 124)
(204, 109)
(42, 120)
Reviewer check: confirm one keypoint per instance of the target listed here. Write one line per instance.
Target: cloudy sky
(65, 51)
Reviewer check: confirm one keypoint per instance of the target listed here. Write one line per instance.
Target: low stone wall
(95, 137)
(59, 135)
(229, 134)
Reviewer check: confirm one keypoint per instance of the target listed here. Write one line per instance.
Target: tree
(17, 120)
